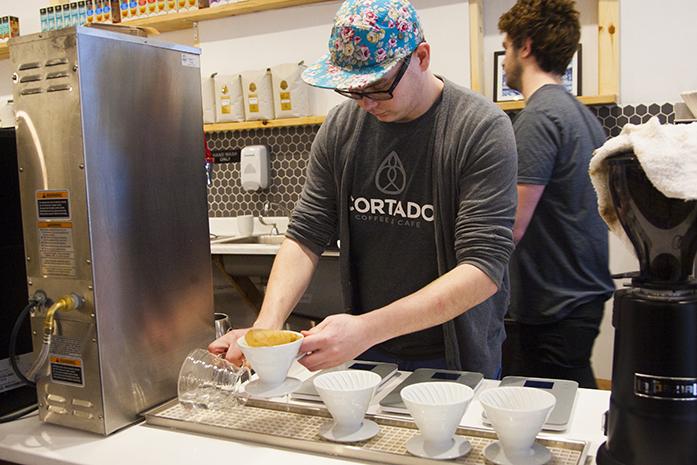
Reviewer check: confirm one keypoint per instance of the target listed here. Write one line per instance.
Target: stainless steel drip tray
(296, 427)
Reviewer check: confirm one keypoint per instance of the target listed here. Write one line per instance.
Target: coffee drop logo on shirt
(390, 177)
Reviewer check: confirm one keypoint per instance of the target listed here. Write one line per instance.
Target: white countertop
(28, 441)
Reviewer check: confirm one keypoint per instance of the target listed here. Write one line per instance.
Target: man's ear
(526, 49)
(423, 55)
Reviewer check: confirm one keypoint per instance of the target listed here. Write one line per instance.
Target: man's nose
(367, 104)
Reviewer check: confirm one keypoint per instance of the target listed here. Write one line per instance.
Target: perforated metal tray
(296, 427)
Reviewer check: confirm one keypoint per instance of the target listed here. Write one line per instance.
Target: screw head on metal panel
(89, 287)
(88, 261)
(30, 282)
(74, 68)
(94, 340)
(21, 170)
(82, 166)
(28, 259)
(15, 77)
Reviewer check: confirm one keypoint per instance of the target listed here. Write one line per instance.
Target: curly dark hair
(552, 26)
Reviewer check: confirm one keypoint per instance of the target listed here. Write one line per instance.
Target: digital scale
(386, 370)
(564, 390)
(393, 401)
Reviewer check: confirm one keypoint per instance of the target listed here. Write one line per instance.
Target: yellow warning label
(56, 249)
(66, 361)
(55, 224)
(52, 195)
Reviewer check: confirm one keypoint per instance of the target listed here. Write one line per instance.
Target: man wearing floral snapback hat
(416, 176)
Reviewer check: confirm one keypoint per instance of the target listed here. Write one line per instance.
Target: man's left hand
(337, 339)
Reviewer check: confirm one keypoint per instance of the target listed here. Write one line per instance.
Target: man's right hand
(227, 344)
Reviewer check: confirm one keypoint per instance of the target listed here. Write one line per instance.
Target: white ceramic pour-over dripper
(517, 414)
(437, 408)
(347, 395)
(271, 363)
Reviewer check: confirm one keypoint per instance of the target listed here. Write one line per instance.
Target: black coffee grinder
(652, 418)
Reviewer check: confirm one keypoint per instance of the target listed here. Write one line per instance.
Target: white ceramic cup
(347, 394)
(517, 414)
(245, 225)
(272, 363)
(437, 408)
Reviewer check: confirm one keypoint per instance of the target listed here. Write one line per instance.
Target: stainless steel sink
(271, 239)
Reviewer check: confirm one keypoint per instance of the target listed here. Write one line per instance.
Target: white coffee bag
(290, 93)
(258, 95)
(229, 102)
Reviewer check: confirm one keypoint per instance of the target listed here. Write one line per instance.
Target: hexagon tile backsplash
(289, 151)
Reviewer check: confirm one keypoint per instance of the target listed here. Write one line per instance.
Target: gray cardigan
(474, 197)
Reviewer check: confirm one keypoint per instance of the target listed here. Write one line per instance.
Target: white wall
(656, 41)
(657, 50)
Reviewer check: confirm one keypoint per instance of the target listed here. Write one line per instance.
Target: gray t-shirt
(562, 260)
(391, 225)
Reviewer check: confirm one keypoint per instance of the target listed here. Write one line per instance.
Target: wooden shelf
(186, 20)
(272, 123)
(589, 100)
(309, 120)
(4, 51)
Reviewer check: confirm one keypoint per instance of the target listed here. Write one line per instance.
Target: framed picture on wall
(572, 77)
(502, 93)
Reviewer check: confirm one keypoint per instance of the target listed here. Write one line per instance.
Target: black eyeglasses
(378, 94)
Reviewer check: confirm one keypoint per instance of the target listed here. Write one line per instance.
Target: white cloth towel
(668, 155)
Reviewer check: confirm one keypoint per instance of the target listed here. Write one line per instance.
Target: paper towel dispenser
(254, 167)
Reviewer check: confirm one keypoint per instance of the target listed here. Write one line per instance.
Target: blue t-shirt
(562, 260)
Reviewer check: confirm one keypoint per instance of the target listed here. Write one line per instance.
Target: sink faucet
(265, 212)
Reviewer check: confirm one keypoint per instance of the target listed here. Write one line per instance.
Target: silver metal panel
(122, 134)
(143, 137)
(49, 146)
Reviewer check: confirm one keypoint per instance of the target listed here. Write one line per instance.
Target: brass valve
(64, 304)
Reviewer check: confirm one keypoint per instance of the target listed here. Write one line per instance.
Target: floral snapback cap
(368, 39)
